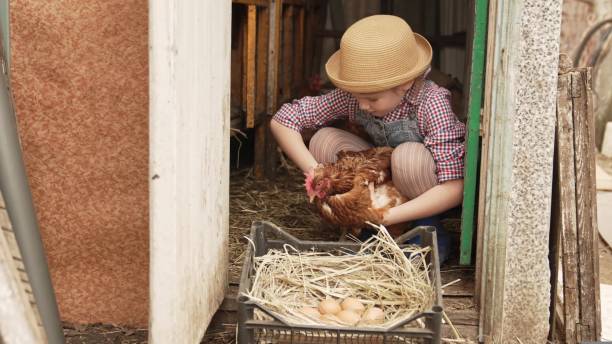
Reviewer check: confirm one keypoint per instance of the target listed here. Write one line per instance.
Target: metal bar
(20, 207)
(473, 130)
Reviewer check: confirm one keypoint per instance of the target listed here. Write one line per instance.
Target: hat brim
(424, 51)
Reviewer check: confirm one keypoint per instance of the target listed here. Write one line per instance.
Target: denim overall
(393, 134)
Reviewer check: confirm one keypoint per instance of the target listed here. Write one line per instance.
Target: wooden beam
(263, 32)
(250, 62)
(272, 101)
(298, 70)
(261, 3)
(287, 59)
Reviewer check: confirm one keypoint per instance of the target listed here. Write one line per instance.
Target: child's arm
(308, 112)
(291, 142)
(434, 201)
(444, 137)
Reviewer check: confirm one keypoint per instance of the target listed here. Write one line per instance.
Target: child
(380, 74)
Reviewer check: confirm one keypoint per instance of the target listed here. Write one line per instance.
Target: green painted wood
(4, 26)
(473, 130)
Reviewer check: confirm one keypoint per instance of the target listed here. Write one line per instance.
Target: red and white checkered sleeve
(444, 135)
(314, 112)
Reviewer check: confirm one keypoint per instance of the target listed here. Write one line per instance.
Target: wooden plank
(189, 215)
(298, 69)
(251, 33)
(473, 130)
(567, 206)
(245, 58)
(484, 159)
(261, 3)
(586, 204)
(263, 32)
(272, 96)
(287, 59)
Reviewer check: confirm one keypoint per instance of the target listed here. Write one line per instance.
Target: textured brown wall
(80, 83)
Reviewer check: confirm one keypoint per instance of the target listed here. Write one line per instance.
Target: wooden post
(298, 69)
(263, 31)
(577, 205)
(287, 60)
(251, 33)
(567, 206)
(276, 7)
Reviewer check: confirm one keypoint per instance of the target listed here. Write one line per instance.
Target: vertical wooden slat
(484, 132)
(260, 99)
(250, 62)
(276, 7)
(245, 49)
(287, 61)
(584, 142)
(298, 69)
(567, 206)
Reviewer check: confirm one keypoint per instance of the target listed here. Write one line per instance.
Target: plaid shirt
(443, 133)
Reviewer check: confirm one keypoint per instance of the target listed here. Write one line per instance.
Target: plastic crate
(266, 236)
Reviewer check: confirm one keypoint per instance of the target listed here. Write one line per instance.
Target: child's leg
(327, 142)
(413, 169)
(414, 172)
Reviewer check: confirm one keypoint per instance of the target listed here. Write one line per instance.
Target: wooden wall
(189, 173)
(79, 76)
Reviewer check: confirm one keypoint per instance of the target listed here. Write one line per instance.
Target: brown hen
(357, 188)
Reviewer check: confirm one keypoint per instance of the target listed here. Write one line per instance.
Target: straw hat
(378, 53)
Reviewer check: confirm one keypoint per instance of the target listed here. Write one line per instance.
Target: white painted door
(189, 169)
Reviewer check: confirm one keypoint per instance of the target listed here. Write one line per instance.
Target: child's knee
(412, 157)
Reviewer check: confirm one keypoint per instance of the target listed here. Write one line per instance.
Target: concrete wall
(79, 76)
(522, 76)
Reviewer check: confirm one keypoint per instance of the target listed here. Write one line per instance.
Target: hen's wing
(350, 209)
(374, 164)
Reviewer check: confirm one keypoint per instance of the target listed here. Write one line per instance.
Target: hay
(380, 274)
(282, 202)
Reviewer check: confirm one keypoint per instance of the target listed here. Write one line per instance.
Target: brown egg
(373, 315)
(311, 312)
(351, 304)
(329, 306)
(348, 317)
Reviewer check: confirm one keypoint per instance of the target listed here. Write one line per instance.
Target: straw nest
(381, 274)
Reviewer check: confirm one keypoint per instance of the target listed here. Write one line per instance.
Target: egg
(348, 317)
(373, 315)
(329, 306)
(311, 312)
(351, 304)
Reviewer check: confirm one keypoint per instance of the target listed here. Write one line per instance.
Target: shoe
(365, 234)
(444, 238)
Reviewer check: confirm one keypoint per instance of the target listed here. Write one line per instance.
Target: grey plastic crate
(266, 236)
